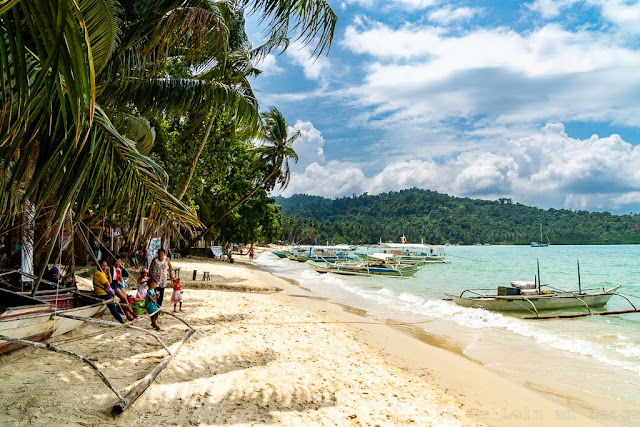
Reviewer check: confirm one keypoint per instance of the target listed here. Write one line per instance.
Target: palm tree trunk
(196, 157)
(232, 208)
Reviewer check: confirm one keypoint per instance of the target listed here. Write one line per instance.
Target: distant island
(435, 218)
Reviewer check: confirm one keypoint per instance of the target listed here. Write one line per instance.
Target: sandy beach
(264, 354)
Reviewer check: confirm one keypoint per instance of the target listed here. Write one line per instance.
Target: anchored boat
(513, 299)
(367, 268)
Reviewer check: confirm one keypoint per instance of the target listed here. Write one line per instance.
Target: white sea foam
(386, 301)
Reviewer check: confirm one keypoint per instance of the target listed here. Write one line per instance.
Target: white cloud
(550, 8)
(546, 168)
(447, 15)
(328, 180)
(624, 14)
(308, 146)
(314, 68)
(405, 4)
(423, 75)
(269, 66)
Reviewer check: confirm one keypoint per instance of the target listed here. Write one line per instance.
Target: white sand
(261, 358)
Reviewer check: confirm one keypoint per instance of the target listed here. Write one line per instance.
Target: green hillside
(438, 218)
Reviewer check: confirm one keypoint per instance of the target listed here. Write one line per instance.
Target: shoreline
(272, 357)
(485, 396)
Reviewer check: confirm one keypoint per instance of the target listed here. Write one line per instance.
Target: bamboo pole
(145, 381)
(569, 316)
(109, 323)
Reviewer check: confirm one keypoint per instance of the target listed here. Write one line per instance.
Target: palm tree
(272, 156)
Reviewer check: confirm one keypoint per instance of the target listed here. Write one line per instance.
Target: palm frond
(309, 21)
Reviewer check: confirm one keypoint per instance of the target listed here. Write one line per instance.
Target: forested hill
(438, 218)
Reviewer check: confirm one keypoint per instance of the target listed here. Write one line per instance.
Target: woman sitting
(103, 290)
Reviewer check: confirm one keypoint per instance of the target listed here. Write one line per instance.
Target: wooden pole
(49, 250)
(145, 381)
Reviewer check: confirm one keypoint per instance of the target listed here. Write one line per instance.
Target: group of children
(147, 293)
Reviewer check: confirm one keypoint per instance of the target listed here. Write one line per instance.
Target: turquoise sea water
(597, 355)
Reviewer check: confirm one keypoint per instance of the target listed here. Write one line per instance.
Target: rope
(107, 249)
(468, 259)
(348, 322)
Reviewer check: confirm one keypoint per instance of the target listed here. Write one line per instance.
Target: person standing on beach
(151, 304)
(251, 254)
(159, 270)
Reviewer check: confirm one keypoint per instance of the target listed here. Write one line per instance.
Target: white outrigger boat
(377, 267)
(412, 253)
(529, 296)
(37, 319)
(543, 301)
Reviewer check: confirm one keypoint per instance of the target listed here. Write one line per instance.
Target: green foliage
(438, 218)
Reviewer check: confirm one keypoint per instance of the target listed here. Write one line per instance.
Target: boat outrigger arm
(124, 401)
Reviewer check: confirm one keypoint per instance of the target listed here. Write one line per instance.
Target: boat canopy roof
(403, 245)
(383, 257)
(339, 247)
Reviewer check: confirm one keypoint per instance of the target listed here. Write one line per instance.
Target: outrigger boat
(529, 296)
(367, 268)
(509, 299)
(37, 319)
(412, 253)
(280, 254)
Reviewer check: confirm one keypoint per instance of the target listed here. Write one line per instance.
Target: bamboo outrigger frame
(136, 390)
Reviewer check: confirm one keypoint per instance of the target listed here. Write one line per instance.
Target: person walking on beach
(251, 254)
(151, 304)
(159, 270)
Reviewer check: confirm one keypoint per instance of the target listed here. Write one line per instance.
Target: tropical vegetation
(88, 85)
(428, 216)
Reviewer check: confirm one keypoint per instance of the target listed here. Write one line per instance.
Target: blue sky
(538, 101)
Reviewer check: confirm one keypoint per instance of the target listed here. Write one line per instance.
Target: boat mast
(539, 281)
(540, 232)
(579, 283)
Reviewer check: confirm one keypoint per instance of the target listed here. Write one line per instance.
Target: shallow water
(598, 355)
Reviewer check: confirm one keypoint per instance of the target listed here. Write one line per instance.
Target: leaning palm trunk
(274, 172)
(196, 157)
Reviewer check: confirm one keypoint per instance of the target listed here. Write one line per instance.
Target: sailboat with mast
(540, 244)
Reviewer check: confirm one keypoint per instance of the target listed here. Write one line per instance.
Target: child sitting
(151, 304)
(176, 296)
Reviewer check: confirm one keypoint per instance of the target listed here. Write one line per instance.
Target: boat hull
(38, 321)
(363, 271)
(540, 302)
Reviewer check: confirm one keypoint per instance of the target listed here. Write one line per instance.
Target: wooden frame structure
(136, 390)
